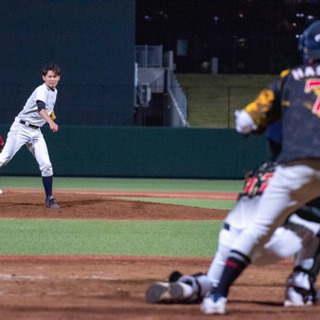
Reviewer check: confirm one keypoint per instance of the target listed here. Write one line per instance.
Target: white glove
(244, 123)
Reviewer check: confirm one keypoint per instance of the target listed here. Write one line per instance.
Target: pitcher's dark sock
(47, 183)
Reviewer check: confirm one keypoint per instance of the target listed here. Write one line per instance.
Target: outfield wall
(144, 152)
(92, 41)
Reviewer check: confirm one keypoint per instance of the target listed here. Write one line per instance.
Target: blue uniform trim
(41, 105)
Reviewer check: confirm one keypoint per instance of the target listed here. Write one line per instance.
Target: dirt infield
(111, 287)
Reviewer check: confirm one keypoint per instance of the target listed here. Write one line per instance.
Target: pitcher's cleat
(51, 203)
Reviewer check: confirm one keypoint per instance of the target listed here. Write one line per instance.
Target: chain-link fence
(215, 106)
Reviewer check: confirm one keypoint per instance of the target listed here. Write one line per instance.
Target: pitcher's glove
(53, 115)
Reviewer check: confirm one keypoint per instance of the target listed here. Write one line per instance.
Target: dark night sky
(245, 35)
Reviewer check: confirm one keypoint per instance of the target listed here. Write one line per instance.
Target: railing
(149, 56)
(152, 57)
(177, 101)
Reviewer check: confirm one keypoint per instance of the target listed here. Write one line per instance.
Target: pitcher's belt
(29, 124)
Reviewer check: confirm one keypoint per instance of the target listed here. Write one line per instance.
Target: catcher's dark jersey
(300, 100)
(296, 99)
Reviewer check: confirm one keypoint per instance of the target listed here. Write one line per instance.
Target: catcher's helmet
(309, 42)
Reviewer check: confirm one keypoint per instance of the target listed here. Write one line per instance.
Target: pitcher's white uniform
(26, 130)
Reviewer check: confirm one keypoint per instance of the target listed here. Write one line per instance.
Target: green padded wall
(145, 152)
(93, 43)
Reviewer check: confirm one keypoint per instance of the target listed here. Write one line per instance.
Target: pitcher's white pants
(19, 135)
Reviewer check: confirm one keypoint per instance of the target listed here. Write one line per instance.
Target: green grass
(93, 237)
(208, 204)
(212, 99)
(96, 237)
(194, 185)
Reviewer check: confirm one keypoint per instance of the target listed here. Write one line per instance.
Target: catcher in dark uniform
(296, 180)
